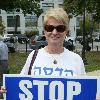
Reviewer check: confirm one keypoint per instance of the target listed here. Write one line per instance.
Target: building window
(13, 21)
(60, 5)
(77, 22)
(46, 6)
(30, 21)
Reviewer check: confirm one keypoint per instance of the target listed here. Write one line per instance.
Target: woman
(54, 56)
(54, 59)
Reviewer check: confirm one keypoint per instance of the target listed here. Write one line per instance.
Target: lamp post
(84, 35)
(92, 27)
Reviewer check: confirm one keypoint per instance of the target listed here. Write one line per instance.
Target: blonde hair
(58, 14)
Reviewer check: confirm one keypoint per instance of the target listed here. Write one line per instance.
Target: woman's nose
(54, 31)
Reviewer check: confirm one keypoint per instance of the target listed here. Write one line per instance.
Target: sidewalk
(94, 73)
(96, 46)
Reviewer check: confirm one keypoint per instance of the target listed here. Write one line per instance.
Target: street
(78, 47)
(96, 46)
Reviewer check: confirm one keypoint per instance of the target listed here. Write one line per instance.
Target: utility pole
(84, 36)
(92, 27)
(16, 23)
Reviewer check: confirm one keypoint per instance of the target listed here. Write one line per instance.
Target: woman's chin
(55, 42)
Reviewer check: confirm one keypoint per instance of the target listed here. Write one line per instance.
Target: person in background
(3, 60)
(55, 56)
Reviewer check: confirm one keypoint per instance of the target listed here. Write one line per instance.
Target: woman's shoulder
(72, 54)
(39, 51)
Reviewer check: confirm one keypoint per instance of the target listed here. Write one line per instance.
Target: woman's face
(55, 32)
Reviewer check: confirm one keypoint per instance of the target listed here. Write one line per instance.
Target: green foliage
(93, 59)
(31, 33)
(2, 27)
(16, 62)
(73, 6)
(28, 6)
(76, 7)
(30, 23)
(89, 23)
(7, 4)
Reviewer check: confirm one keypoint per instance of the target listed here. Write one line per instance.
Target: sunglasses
(59, 28)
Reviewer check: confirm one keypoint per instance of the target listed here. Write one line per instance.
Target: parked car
(70, 39)
(69, 45)
(79, 39)
(7, 36)
(22, 38)
(38, 42)
(10, 41)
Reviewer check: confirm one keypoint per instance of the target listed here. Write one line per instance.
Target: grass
(17, 61)
(93, 59)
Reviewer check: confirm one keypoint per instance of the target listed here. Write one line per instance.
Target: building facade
(47, 4)
(16, 22)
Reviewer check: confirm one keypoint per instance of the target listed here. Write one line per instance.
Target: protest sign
(50, 88)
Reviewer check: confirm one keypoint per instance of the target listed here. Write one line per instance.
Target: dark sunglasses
(59, 28)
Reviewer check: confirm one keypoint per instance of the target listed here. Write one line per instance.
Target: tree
(2, 27)
(76, 7)
(28, 6)
(80, 7)
(9, 4)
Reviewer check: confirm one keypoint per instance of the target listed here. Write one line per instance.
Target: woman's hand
(97, 98)
(3, 90)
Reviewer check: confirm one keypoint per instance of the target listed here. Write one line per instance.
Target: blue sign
(49, 88)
